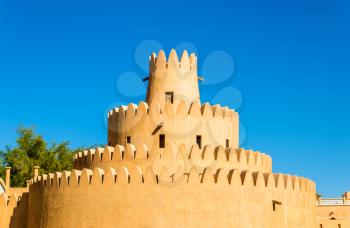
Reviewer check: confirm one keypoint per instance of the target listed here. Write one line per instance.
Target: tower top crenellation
(186, 61)
(173, 79)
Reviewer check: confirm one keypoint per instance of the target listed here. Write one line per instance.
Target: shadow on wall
(19, 217)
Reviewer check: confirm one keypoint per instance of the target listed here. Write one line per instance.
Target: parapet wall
(178, 77)
(130, 198)
(173, 157)
(179, 123)
(13, 210)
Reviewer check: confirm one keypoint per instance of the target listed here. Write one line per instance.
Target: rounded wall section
(173, 157)
(131, 198)
(176, 123)
(173, 80)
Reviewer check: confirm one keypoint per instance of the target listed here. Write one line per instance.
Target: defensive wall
(131, 198)
(333, 212)
(179, 123)
(13, 210)
(13, 202)
(173, 156)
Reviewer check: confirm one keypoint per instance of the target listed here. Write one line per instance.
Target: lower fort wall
(333, 216)
(128, 198)
(13, 210)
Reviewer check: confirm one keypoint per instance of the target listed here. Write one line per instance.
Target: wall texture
(129, 198)
(333, 216)
(172, 75)
(13, 210)
(180, 123)
(173, 156)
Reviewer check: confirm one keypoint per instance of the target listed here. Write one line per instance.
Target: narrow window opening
(199, 141)
(128, 140)
(321, 226)
(162, 141)
(109, 143)
(169, 97)
(339, 226)
(274, 204)
(227, 143)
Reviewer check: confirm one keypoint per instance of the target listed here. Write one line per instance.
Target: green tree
(32, 150)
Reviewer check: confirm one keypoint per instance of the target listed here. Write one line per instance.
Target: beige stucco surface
(333, 216)
(130, 198)
(172, 157)
(180, 123)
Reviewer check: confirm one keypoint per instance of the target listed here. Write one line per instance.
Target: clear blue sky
(60, 62)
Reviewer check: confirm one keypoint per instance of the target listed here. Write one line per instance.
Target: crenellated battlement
(156, 191)
(179, 110)
(9, 200)
(180, 123)
(186, 63)
(131, 176)
(13, 210)
(173, 156)
(178, 77)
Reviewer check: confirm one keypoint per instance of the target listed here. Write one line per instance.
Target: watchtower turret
(173, 80)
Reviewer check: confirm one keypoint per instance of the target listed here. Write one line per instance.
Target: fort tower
(172, 111)
(170, 162)
(173, 80)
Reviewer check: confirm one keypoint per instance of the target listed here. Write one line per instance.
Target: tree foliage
(32, 150)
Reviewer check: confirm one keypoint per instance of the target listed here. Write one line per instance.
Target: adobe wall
(130, 198)
(13, 207)
(173, 156)
(333, 216)
(180, 123)
(16, 191)
(172, 75)
(13, 210)
(333, 223)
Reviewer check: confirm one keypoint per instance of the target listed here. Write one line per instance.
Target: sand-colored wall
(16, 191)
(333, 223)
(180, 123)
(13, 210)
(333, 216)
(173, 75)
(130, 198)
(173, 156)
(13, 207)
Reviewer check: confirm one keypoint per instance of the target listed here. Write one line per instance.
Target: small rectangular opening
(162, 141)
(274, 204)
(169, 97)
(199, 141)
(227, 143)
(321, 226)
(128, 140)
